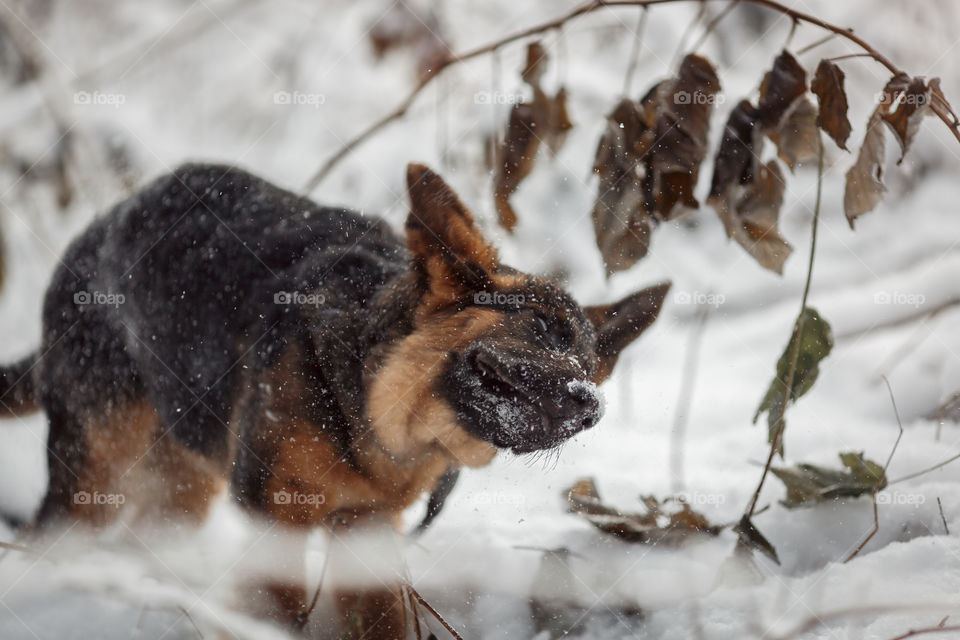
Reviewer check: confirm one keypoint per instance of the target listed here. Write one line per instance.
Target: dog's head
(497, 359)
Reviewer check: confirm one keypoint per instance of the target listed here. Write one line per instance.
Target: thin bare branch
(682, 44)
(191, 621)
(635, 51)
(917, 474)
(943, 518)
(9, 546)
(816, 43)
(896, 412)
(713, 24)
(426, 605)
(912, 633)
(873, 532)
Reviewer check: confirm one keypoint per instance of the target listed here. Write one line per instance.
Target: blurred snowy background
(117, 93)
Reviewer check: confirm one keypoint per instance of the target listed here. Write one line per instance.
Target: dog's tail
(18, 388)
(18, 396)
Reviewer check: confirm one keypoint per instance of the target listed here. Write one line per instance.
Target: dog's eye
(550, 335)
(544, 327)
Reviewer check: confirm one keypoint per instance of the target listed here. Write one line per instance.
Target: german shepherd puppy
(216, 333)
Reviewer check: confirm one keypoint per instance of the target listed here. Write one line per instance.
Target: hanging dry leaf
(544, 120)
(864, 185)
(682, 126)
(904, 114)
(620, 219)
(903, 103)
(515, 160)
(750, 212)
(785, 114)
(736, 159)
(797, 135)
(657, 526)
(781, 86)
(864, 182)
(648, 160)
(828, 86)
(535, 65)
(747, 197)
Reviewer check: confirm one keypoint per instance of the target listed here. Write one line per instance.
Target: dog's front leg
(275, 578)
(366, 568)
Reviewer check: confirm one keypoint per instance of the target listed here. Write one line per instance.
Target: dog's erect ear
(452, 256)
(620, 323)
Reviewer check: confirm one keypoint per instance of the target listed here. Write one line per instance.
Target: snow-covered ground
(177, 80)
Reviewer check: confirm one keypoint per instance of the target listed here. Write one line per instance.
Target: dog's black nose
(575, 408)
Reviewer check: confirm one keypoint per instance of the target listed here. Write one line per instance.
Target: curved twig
(556, 23)
(920, 632)
(873, 531)
(426, 605)
(917, 474)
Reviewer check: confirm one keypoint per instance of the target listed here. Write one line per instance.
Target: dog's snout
(564, 404)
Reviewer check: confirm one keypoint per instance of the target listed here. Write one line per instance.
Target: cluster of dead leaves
(648, 160)
(747, 193)
(657, 525)
(649, 155)
(544, 120)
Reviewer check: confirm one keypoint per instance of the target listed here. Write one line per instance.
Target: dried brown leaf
(536, 64)
(903, 103)
(864, 186)
(780, 87)
(657, 526)
(750, 212)
(736, 159)
(828, 86)
(620, 219)
(583, 497)
(682, 126)
(796, 136)
(544, 120)
(515, 160)
(904, 113)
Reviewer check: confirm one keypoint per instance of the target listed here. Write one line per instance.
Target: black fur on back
(199, 258)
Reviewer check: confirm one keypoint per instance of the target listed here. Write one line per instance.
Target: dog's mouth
(530, 420)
